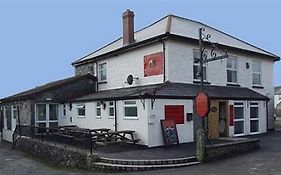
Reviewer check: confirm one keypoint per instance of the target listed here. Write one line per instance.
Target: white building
(165, 81)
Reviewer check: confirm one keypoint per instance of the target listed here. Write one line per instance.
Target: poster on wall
(153, 64)
(169, 131)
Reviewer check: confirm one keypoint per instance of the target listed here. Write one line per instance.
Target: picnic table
(117, 136)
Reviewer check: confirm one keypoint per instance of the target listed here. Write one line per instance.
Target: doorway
(46, 115)
(222, 119)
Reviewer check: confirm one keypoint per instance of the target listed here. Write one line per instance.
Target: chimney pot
(128, 27)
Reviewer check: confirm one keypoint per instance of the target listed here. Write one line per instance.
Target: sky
(39, 39)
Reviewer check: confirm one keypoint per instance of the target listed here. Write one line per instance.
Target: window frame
(130, 106)
(197, 64)
(81, 106)
(232, 69)
(100, 72)
(110, 106)
(257, 73)
(239, 120)
(64, 110)
(98, 106)
(255, 104)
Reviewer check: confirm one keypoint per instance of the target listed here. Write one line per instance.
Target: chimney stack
(128, 27)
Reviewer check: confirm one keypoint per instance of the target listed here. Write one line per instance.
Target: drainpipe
(96, 69)
(164, 58)
(115, 116)
(266, 115)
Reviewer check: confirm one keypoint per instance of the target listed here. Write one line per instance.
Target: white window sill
(253, 133)
(236, 135)
(98, 117)
(111, 117)
(131, 118)
(81, 116)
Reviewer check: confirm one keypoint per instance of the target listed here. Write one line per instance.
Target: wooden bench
(117, 136)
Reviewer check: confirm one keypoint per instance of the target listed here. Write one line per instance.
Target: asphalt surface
(266, 161)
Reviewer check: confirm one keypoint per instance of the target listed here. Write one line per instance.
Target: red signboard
(153, 64)
(202, 104)
(175, 112)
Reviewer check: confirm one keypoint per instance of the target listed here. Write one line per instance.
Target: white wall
(120, 66)
(185, 131)
(180, 69)
(90, 120)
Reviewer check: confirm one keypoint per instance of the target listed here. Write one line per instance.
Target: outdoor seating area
(74, 136)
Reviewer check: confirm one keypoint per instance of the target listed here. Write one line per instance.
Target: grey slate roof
(169, 90)
(178, 26)
(46, 87)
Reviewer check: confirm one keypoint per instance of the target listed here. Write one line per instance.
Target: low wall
(55, 154)
(229, 149)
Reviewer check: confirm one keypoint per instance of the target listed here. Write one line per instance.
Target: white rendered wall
(185, 131)
(120, 66)
(180, 69)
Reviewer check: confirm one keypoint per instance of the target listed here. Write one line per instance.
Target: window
(15, 112)
(256, 69)
(64, 110)
(231, 68)
(238, 118)
(8, 116)
(254, 117)
(98, 110)
(111, 110)
(130, 109)
(102, 72)
(81, 108)
(196, 66)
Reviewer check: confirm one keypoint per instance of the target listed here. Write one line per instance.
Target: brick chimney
(128, 27)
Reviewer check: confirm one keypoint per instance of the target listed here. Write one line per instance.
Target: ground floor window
(130, 109)
(8, 117)
(111, 109)
(46, 115)
(239, 120)
(254, 117)
(81, 110)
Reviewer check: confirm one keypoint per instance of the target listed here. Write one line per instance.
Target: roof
(277, 90)
(46, 87)
(175, 25)
(169, 90)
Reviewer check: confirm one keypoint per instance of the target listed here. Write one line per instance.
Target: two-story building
(151, 74)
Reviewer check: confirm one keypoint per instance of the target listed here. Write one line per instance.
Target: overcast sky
(40, 39)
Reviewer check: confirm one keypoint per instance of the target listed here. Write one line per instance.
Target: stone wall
(84, 69)
(229, 149)
(55, 155)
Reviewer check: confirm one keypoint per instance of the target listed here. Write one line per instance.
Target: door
(222, 119)
(46, 116)
(213, 120)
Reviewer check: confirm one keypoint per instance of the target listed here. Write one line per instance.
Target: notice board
(169, 131)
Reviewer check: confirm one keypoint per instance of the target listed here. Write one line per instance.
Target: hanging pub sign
(202, 104)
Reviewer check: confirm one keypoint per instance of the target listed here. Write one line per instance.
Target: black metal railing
(57, 135)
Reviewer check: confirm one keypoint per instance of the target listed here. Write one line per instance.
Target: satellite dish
(130, 79)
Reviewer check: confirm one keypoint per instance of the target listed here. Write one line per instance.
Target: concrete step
(148, 162)
(108, 167)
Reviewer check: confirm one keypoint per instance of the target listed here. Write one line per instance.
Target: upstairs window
(256, 69)
(98, 110)
(81, 108)
(196, 66)
(231, 68)
(102, 72)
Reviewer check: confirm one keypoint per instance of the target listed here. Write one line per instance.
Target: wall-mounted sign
(153, 64)
(202, 104)
(214, 109)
